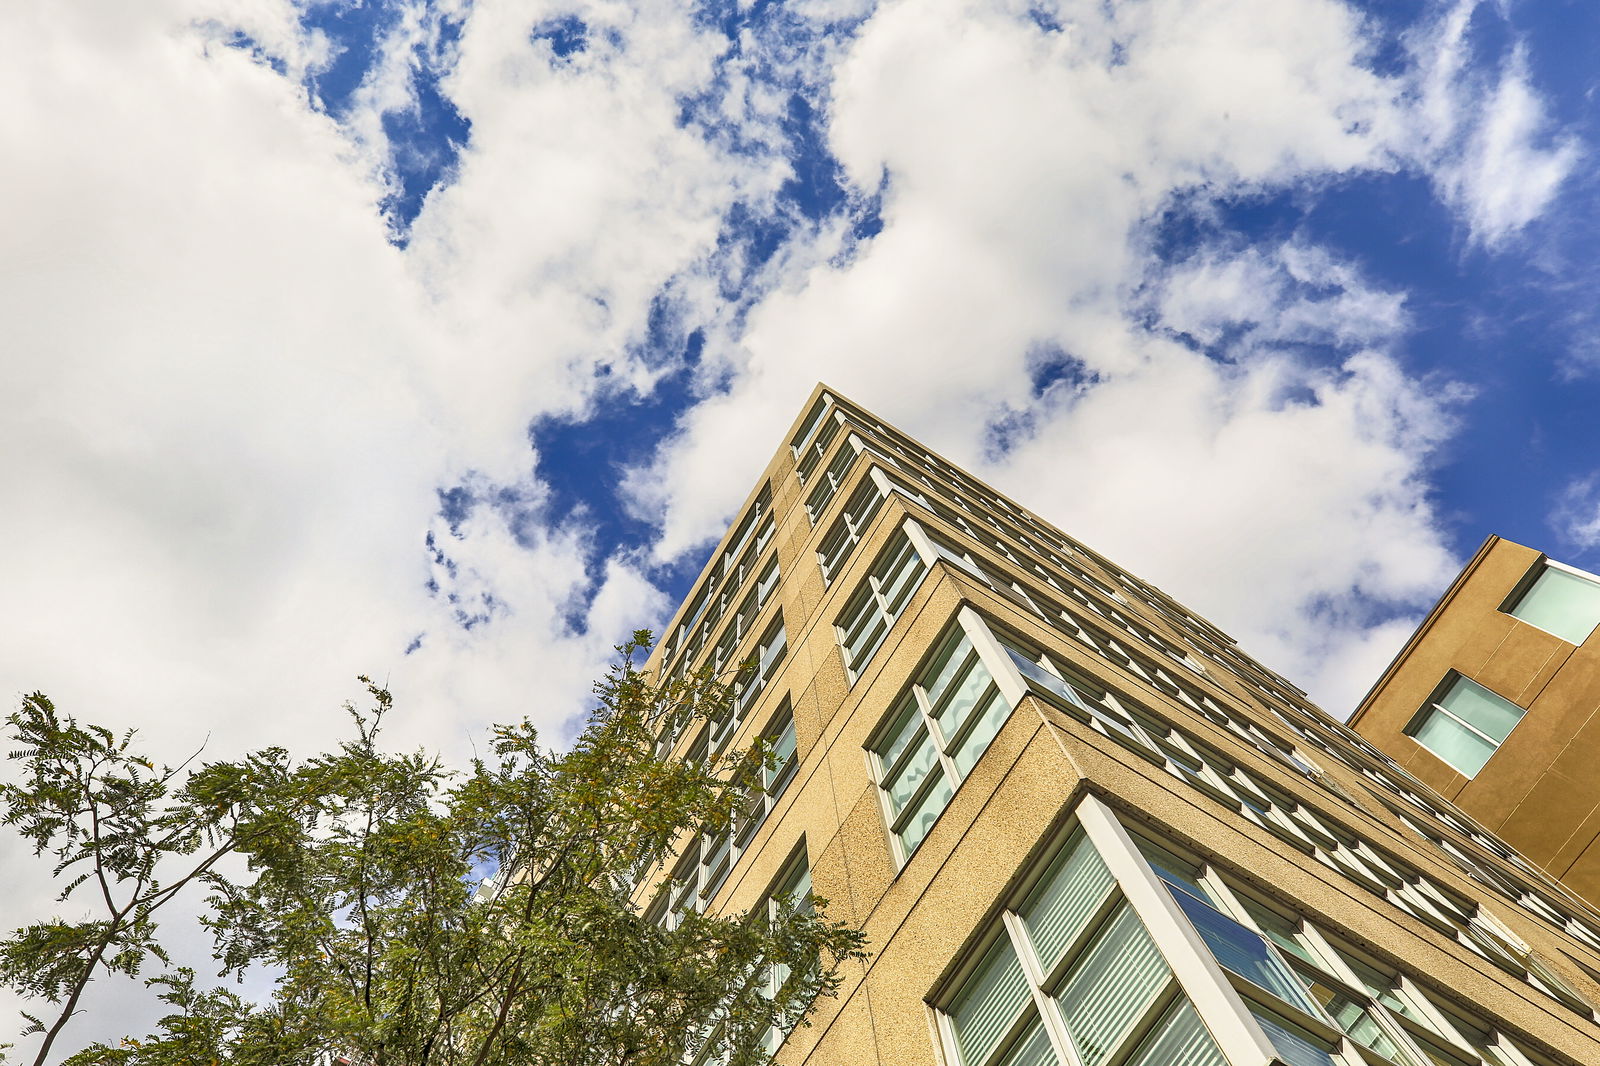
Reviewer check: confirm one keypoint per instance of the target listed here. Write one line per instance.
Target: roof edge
(1422, 627)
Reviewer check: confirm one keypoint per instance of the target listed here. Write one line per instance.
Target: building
(1079, 825)
(1492, 703)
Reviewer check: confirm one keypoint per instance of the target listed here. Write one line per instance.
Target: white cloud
(1296, 293)
(231, 399)
(1486, 140)
(1575, 518)
(1276, 491)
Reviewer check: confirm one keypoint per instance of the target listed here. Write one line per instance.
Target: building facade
(1077, 824)
(1492, 703)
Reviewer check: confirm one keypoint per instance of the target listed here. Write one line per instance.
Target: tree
(355, 883)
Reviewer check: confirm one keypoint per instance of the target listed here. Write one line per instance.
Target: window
(1319, 1002)
(933, 736)
(720, 850)
(768, 654)
(850, 528)
(680, 894)
(1560, 601)
(791, 895)
(1069, 975)
(1466, 725)
(872, 611)
(822, 421)
(771, 780)
(832, 477)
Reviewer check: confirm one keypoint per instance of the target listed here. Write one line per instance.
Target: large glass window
(934, 736)
(831, 478)
(1319, 1003)
(1466, 725)
(1071, 977)
(1562, 602)
(872, 611)
(791, 895)
(850, 528)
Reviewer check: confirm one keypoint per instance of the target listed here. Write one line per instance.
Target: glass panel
(1244, 952)
(1481, 709)
(991, 1001)
(904, 784)
(1173, 870)
(773, 650)
(1561, 603)
(961, 701)
(1294, 1046)
(1281, 931)
(1382, 989)
(1033, 1049)
(927, 813)
(991, 717)
(1055, 911)
(865, 638)
(783, 751)
(1358, 1022)
(1179, 1039)
(1454, 742)
(1111, 986)
(946, 668)
(900, 737)
(901, 577)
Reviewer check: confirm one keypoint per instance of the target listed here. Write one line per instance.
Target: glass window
(872, 611)
(1294, 1045)
(1561, 602)
(936, 734)
(1179, 1039)
(850, 528)
(753, 679)
(1065, 899)
(1466, 725)
(791, 895)
(1072, 976)
(1243, 951)
(1111, 986)
(832, 477)
(990, 1004)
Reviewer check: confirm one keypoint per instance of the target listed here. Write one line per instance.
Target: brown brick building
(1492, 702)
(1077, 823)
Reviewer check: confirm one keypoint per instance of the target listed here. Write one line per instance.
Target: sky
(439, 341)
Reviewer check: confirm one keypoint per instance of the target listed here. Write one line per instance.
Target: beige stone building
(1079, 825)
(1492, 703)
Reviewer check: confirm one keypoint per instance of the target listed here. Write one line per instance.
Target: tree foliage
(355, 886)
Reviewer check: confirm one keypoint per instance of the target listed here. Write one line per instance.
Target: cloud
(233, 400)
(1280, 483)
(1575, 518)
(1485, 137)
(1295, 293)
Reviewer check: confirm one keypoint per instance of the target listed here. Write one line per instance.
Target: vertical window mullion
(1054, 1027)
(1237, 1034)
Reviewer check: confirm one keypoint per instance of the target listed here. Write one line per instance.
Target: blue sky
(438, 340)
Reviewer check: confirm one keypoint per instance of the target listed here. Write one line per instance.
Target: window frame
(1531, 579)
(1435, 705)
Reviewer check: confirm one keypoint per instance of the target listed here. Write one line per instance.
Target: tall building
(1078, 825)
(1492, 703)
